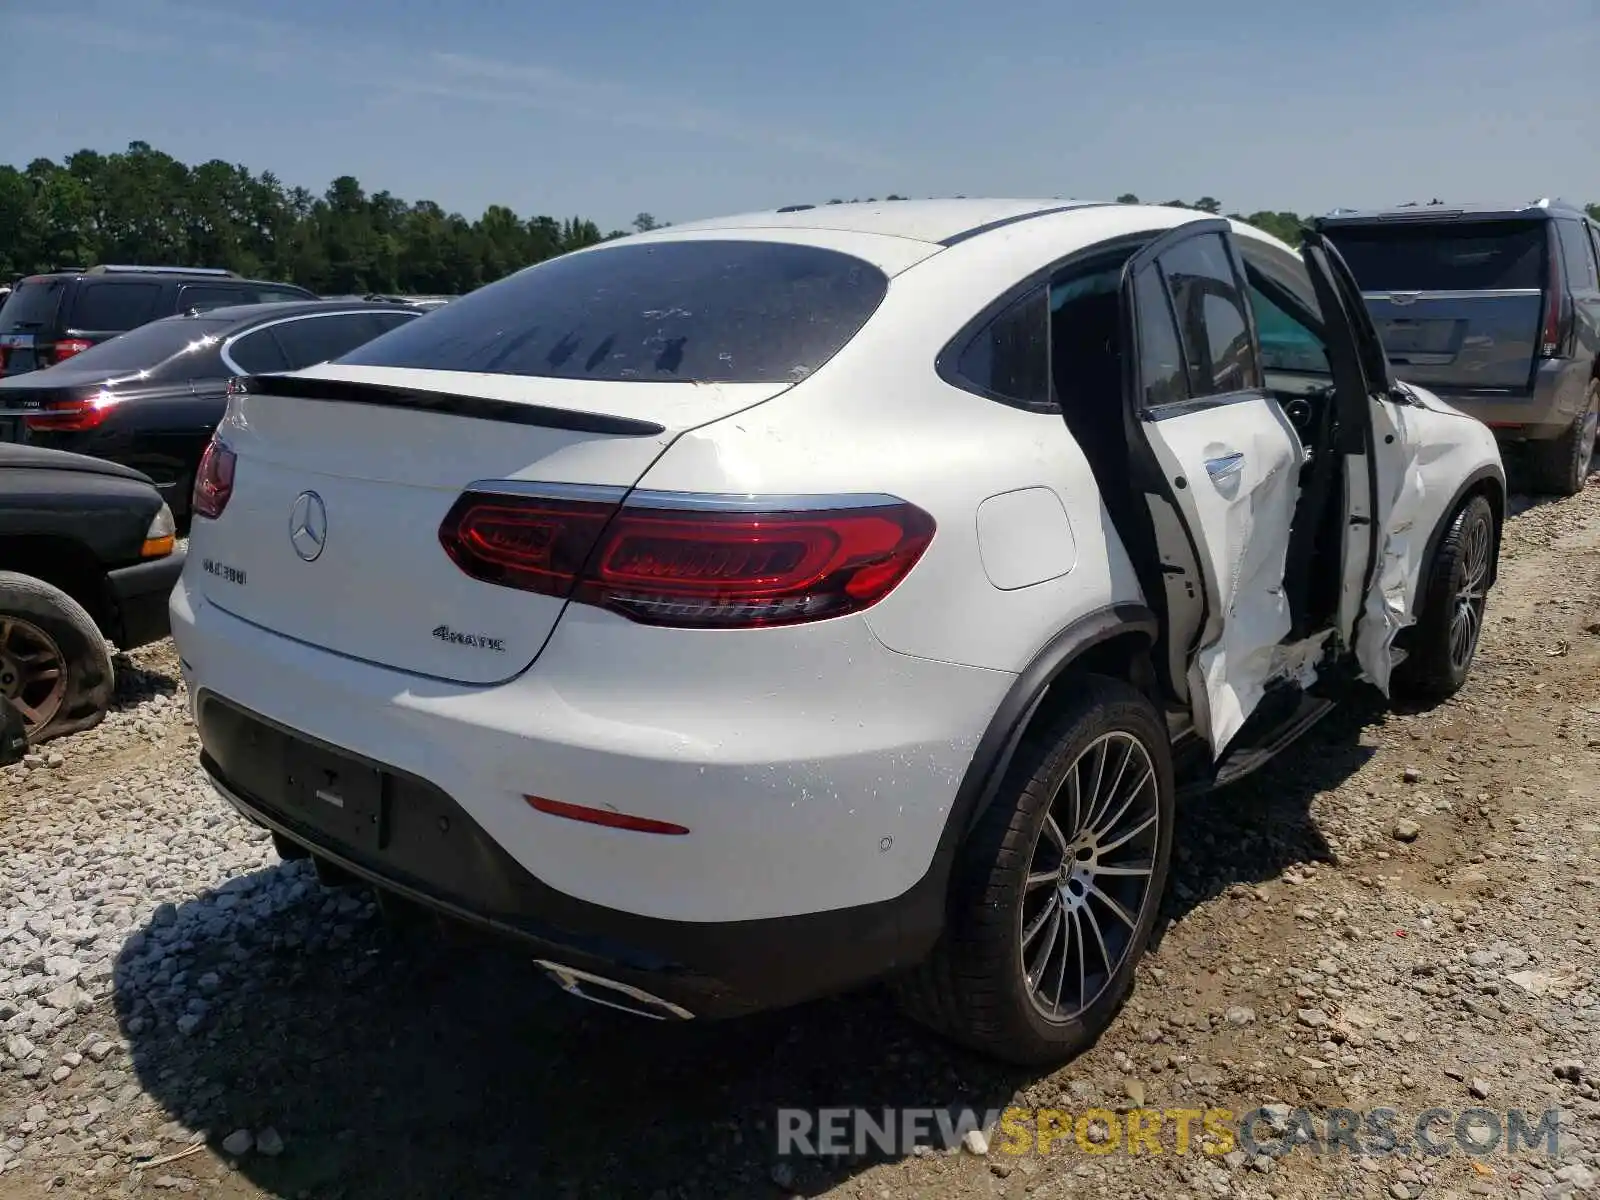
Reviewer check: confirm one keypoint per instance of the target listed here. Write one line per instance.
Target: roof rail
(132, 268)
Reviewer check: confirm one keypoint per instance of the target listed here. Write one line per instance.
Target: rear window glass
(1468, 257)
(103, 307)
(711, 311)
(146, 347)
(31, 305)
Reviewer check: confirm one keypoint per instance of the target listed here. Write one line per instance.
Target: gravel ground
(1400, 913)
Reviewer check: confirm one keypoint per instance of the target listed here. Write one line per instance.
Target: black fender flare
(1473, 483)
(998, 745)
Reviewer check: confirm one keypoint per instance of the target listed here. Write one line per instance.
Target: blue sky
(701, 107)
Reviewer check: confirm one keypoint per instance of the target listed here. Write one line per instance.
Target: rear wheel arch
(1114, 641)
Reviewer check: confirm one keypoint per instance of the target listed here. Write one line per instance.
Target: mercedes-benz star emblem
(308, 526)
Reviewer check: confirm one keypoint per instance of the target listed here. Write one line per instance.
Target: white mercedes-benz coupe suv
(748, 610)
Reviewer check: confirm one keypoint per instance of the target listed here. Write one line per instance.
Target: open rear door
(1215, 467)
(1379, 475)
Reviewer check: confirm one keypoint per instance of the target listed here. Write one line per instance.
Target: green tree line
(144, 206)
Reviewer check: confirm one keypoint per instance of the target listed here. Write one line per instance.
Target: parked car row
(49, 318)
(151, 398)
(112, 381)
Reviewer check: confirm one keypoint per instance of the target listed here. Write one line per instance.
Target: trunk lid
(1459, 303)
(386, 452)
(1461, 341)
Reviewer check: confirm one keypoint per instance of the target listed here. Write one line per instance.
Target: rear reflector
(68, 347)
(689, 562)
(604, 816)
(213, 482)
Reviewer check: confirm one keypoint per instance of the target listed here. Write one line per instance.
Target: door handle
(1225, 465)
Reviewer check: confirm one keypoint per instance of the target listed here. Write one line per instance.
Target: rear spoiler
(455, 404)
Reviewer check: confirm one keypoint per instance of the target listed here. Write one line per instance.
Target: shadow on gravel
(1260, 827)
(412, 1065)
(417, 1065)
(136, 684)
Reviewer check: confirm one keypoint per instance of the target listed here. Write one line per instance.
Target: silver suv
(1497, 310)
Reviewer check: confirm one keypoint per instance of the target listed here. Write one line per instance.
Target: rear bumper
(1546, 411)
(434, 853)
(814, 768)
(140, 594)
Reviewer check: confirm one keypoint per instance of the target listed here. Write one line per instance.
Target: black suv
(49, 318)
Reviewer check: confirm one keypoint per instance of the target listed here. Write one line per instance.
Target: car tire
(1561, 467)
(1001, 978)
(1444, 641)
(55, 665)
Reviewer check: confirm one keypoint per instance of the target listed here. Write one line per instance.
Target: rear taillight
(703, 565)
(1551, 339)
(67, 347)
(75, 415)
(213, 482)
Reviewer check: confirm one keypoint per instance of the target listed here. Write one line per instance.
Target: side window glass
(317, 339)
(267, 295)
(1212, 321)
(1161, 368)
(114, 307)
(381, 323)
(200, 299)
(1287, 343)
(1010, 357)
(1577, 256)
(257, 353)
(1594, 240)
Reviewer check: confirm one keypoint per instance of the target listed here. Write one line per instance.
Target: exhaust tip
(608, 993)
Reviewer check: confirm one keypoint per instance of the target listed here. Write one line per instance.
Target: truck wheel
(1561, 467)
(1450, 617)
(1057, 890)
(55, 666)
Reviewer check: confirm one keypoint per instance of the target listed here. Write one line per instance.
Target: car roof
(934, 221)
(1451, 212)
(186, 274)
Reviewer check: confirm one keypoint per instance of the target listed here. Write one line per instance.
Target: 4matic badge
(476, 641)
